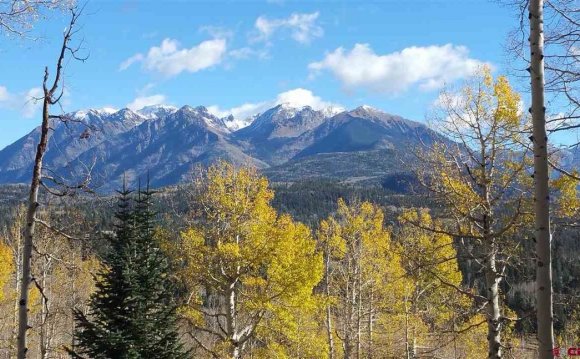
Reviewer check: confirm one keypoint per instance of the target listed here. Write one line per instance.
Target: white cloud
(217, 32)
(302, 97)
(25, 102)
(298, 97)
(427, 67)
(4, 94)
(303, 27)
(244, 53)
(33, 104)
(241, 112)
(130, 61)
(143, 101)
(170, 59)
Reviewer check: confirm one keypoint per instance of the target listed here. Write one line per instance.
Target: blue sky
(242, 56)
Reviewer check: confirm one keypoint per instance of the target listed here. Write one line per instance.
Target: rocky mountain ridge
(166, 142)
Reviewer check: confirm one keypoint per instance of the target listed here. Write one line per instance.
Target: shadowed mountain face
(165, 143)
(364, 129)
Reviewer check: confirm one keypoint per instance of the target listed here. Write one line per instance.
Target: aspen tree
(480, 177)
(250, 272)
(365, 278)
(543, 236)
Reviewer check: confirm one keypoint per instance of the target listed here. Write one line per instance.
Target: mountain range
(164, 143)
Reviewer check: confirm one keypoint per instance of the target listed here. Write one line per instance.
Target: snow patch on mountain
(156, 111)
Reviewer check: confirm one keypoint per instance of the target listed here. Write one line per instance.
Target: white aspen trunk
(494, 312)
(231, 323)
(541, 184)
(328, 309)
(18, 261)
(29, 231)
(370, 328)
(359, 309)
(232, 315)
(350, 291)
(492, 276)
(407, 347)
(348, 337)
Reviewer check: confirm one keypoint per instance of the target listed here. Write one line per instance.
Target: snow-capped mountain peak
(156, 111)
(101, 112)
(367, 109)
(235, 124)
(202, 113)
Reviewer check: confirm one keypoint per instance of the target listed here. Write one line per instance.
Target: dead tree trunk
(50, 97)
(29, 230)
(541, 190)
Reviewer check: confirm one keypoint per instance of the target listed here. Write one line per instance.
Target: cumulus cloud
(298, 97)
(170, 59)
(302, 27)
(243, 111)
(143, 101)
(427, 67)
(302, 97)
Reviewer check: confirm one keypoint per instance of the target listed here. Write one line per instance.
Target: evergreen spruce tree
(132, 313)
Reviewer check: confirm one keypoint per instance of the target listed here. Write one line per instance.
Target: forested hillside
(310, 203)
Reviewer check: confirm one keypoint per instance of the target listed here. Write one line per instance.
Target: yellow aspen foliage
(480, 177)
(507, 107)
(6, 267)
(433, 305)
(364, 280)
(430, 261)
(250, 271)
(567, 201)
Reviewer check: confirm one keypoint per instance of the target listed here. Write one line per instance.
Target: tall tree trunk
(328, 309)
(29, 231)
(32, 208)
(43, 341)
(370, 327)
(349, 325)
(359, 312)
(231, 322)
(407, 344)
(494, 312)
(541, 189)
(18, 261)
(45, 330)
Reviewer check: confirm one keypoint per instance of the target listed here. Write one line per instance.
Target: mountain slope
(362, 129)
(164, 143)
(164, 149)
(81, 131)
(275, 128)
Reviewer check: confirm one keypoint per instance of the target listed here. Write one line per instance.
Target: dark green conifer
(132, 313)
